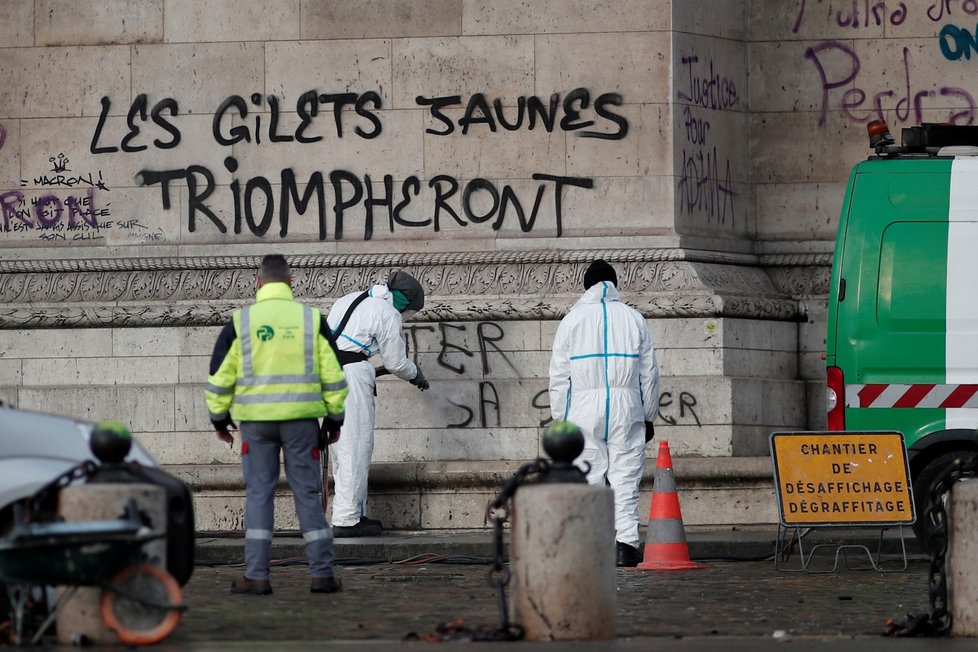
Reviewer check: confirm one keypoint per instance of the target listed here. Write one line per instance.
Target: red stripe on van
(913, 396)
(960, 396)
(870, 393)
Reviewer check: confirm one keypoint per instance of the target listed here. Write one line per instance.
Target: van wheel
(922, 486)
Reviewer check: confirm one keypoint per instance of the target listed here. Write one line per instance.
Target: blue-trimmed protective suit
(604, 378)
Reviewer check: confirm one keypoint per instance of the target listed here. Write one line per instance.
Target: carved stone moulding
(799, 275)
(460, 287)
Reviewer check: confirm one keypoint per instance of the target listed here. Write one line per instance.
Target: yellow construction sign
(842, 478)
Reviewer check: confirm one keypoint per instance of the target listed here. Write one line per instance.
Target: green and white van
(902, 339)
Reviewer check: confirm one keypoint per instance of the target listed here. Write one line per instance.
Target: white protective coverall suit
(374, 327)
(604, 378)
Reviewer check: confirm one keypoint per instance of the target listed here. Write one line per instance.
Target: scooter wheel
(133, 612)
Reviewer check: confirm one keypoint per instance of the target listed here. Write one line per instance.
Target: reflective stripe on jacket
(278, 368)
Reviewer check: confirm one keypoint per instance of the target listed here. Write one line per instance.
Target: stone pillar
(563, 562)
(81, 615)
(962, 558)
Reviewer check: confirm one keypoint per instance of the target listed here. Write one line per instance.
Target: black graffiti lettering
(307, 106)
(578, 182)
(601, 108)
(273, 134)
(485, 341)
(436, 104)
(338, 100)
(387, 200)
(413, 184)
(531, 111)
(42, 214)
(170, 105)
(687, 401)
(497, 105)
(547, 115)
(665, 400)
(94, 147)
(411, 337)
(470, 189)
(571, 120)
(238, 133)
(138, 113)
(446, 345)
(440, 197)
(485, 401)
(268, 211)
(468, 418)
(535, 402)
(85, 209)
(139, 106)
(337, 177)
(361, 109)
(195, 200)
(151, 178)
(256, 100)
(477, 103)
(290, 195)
(350, 192)
(509, 198)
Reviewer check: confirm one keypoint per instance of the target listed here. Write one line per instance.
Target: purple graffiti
(879, 13)
(906, 101)
(871, 13)
(702, 190)
(939, 8)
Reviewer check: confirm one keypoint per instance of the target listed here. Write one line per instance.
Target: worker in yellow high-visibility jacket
(274, 370)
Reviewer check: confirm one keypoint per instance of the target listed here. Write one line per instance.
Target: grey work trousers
(261, 442)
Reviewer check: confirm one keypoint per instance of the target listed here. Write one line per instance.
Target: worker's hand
(420, 381)
(223, 429)
(329, 432)
(333, 436)
(226, 437)
(649, 431)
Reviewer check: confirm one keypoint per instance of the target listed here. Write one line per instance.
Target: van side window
(911, 291)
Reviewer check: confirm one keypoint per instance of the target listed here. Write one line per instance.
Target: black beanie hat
(410, 286)
(599, 271)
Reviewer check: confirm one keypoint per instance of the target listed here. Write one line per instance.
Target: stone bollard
(563, 562)
(81, 616)
(962, 558)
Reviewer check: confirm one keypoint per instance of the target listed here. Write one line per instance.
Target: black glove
(224, 424)
(329, 433)
(649, 431)
(420, 381)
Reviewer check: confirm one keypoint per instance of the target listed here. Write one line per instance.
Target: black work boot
(367, 527)
(627, 556)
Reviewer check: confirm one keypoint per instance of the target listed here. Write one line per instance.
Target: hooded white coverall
(604, 378)
(374, 328)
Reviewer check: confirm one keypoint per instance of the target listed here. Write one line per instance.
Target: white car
(36, 448)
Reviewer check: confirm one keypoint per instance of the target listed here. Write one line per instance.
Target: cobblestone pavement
(386, 602)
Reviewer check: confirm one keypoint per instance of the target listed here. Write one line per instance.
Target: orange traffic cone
(665, 542)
